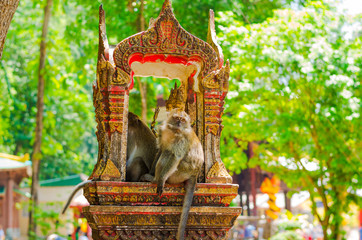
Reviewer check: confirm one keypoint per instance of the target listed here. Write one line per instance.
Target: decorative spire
(103, 48)
(166, 5)
(177, 98)
(212, 40)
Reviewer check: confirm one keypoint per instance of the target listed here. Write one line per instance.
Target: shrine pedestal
(121, 210)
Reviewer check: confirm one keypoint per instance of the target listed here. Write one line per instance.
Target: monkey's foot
(146, 178)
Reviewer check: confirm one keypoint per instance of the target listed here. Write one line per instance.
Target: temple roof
(63, 182)
(11, 162)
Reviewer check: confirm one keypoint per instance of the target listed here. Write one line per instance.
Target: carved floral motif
(160, 235)
(141, 194)
(143, 222)
(122, 78)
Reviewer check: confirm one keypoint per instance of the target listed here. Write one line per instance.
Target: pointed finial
(102, 19)
(212, 40)
(211, 31)
(167, 5)
(103, 48)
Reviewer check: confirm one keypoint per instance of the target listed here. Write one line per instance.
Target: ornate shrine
(129, 210)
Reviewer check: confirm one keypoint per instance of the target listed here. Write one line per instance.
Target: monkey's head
(178, 119)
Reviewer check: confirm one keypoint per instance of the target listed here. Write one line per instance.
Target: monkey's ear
(188, 118)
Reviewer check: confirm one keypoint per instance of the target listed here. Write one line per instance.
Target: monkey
(141, 148)
(180, 160)
(141, 152)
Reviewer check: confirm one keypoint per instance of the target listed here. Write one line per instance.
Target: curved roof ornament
(165, 36)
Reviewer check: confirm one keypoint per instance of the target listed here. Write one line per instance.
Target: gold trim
(15, 158)
(110, 172)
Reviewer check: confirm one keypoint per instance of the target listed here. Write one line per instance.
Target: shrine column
(9, 203)
(215, 87)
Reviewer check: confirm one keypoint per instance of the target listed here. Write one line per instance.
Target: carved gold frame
(202, 96)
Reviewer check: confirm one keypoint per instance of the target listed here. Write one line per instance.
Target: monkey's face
(179, 119)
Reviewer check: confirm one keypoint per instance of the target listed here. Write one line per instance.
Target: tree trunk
(7, 10)
(143, 91)
(143, 86)
(36, 156)
(142, 16)
(335, 225)
(325, 232)
(335, 234)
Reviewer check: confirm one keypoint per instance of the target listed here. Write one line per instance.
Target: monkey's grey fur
(141, 151)
(181, 159)
(141, 148)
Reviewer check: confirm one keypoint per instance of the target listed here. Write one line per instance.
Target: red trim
(132, 82)
(212, 96)
(211, 103)
(154, 58)
(116, 90)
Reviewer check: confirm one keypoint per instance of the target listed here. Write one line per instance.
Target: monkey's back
(141, 140)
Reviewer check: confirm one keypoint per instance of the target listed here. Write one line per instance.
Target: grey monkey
(141, 151)
(141, 148)
(180, 160)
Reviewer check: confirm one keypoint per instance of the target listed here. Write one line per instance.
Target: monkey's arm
(153, 168)
(166, 165)
(149, 177)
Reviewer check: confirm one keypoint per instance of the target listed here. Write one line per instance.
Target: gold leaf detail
(110, 172)
(121, 78)
(116, 126)
(212, 128)
(218, 173)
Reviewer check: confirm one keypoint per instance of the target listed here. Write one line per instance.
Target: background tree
(36, 155)
(298, 75)
(8, 8)
(69, 143)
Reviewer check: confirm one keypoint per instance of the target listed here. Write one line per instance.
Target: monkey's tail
(190, 186)
(75, 190)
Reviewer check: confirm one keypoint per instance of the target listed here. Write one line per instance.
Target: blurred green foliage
(298, 76)
(69, 143)
(287, 235)
(46, 216)
(68, 136)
